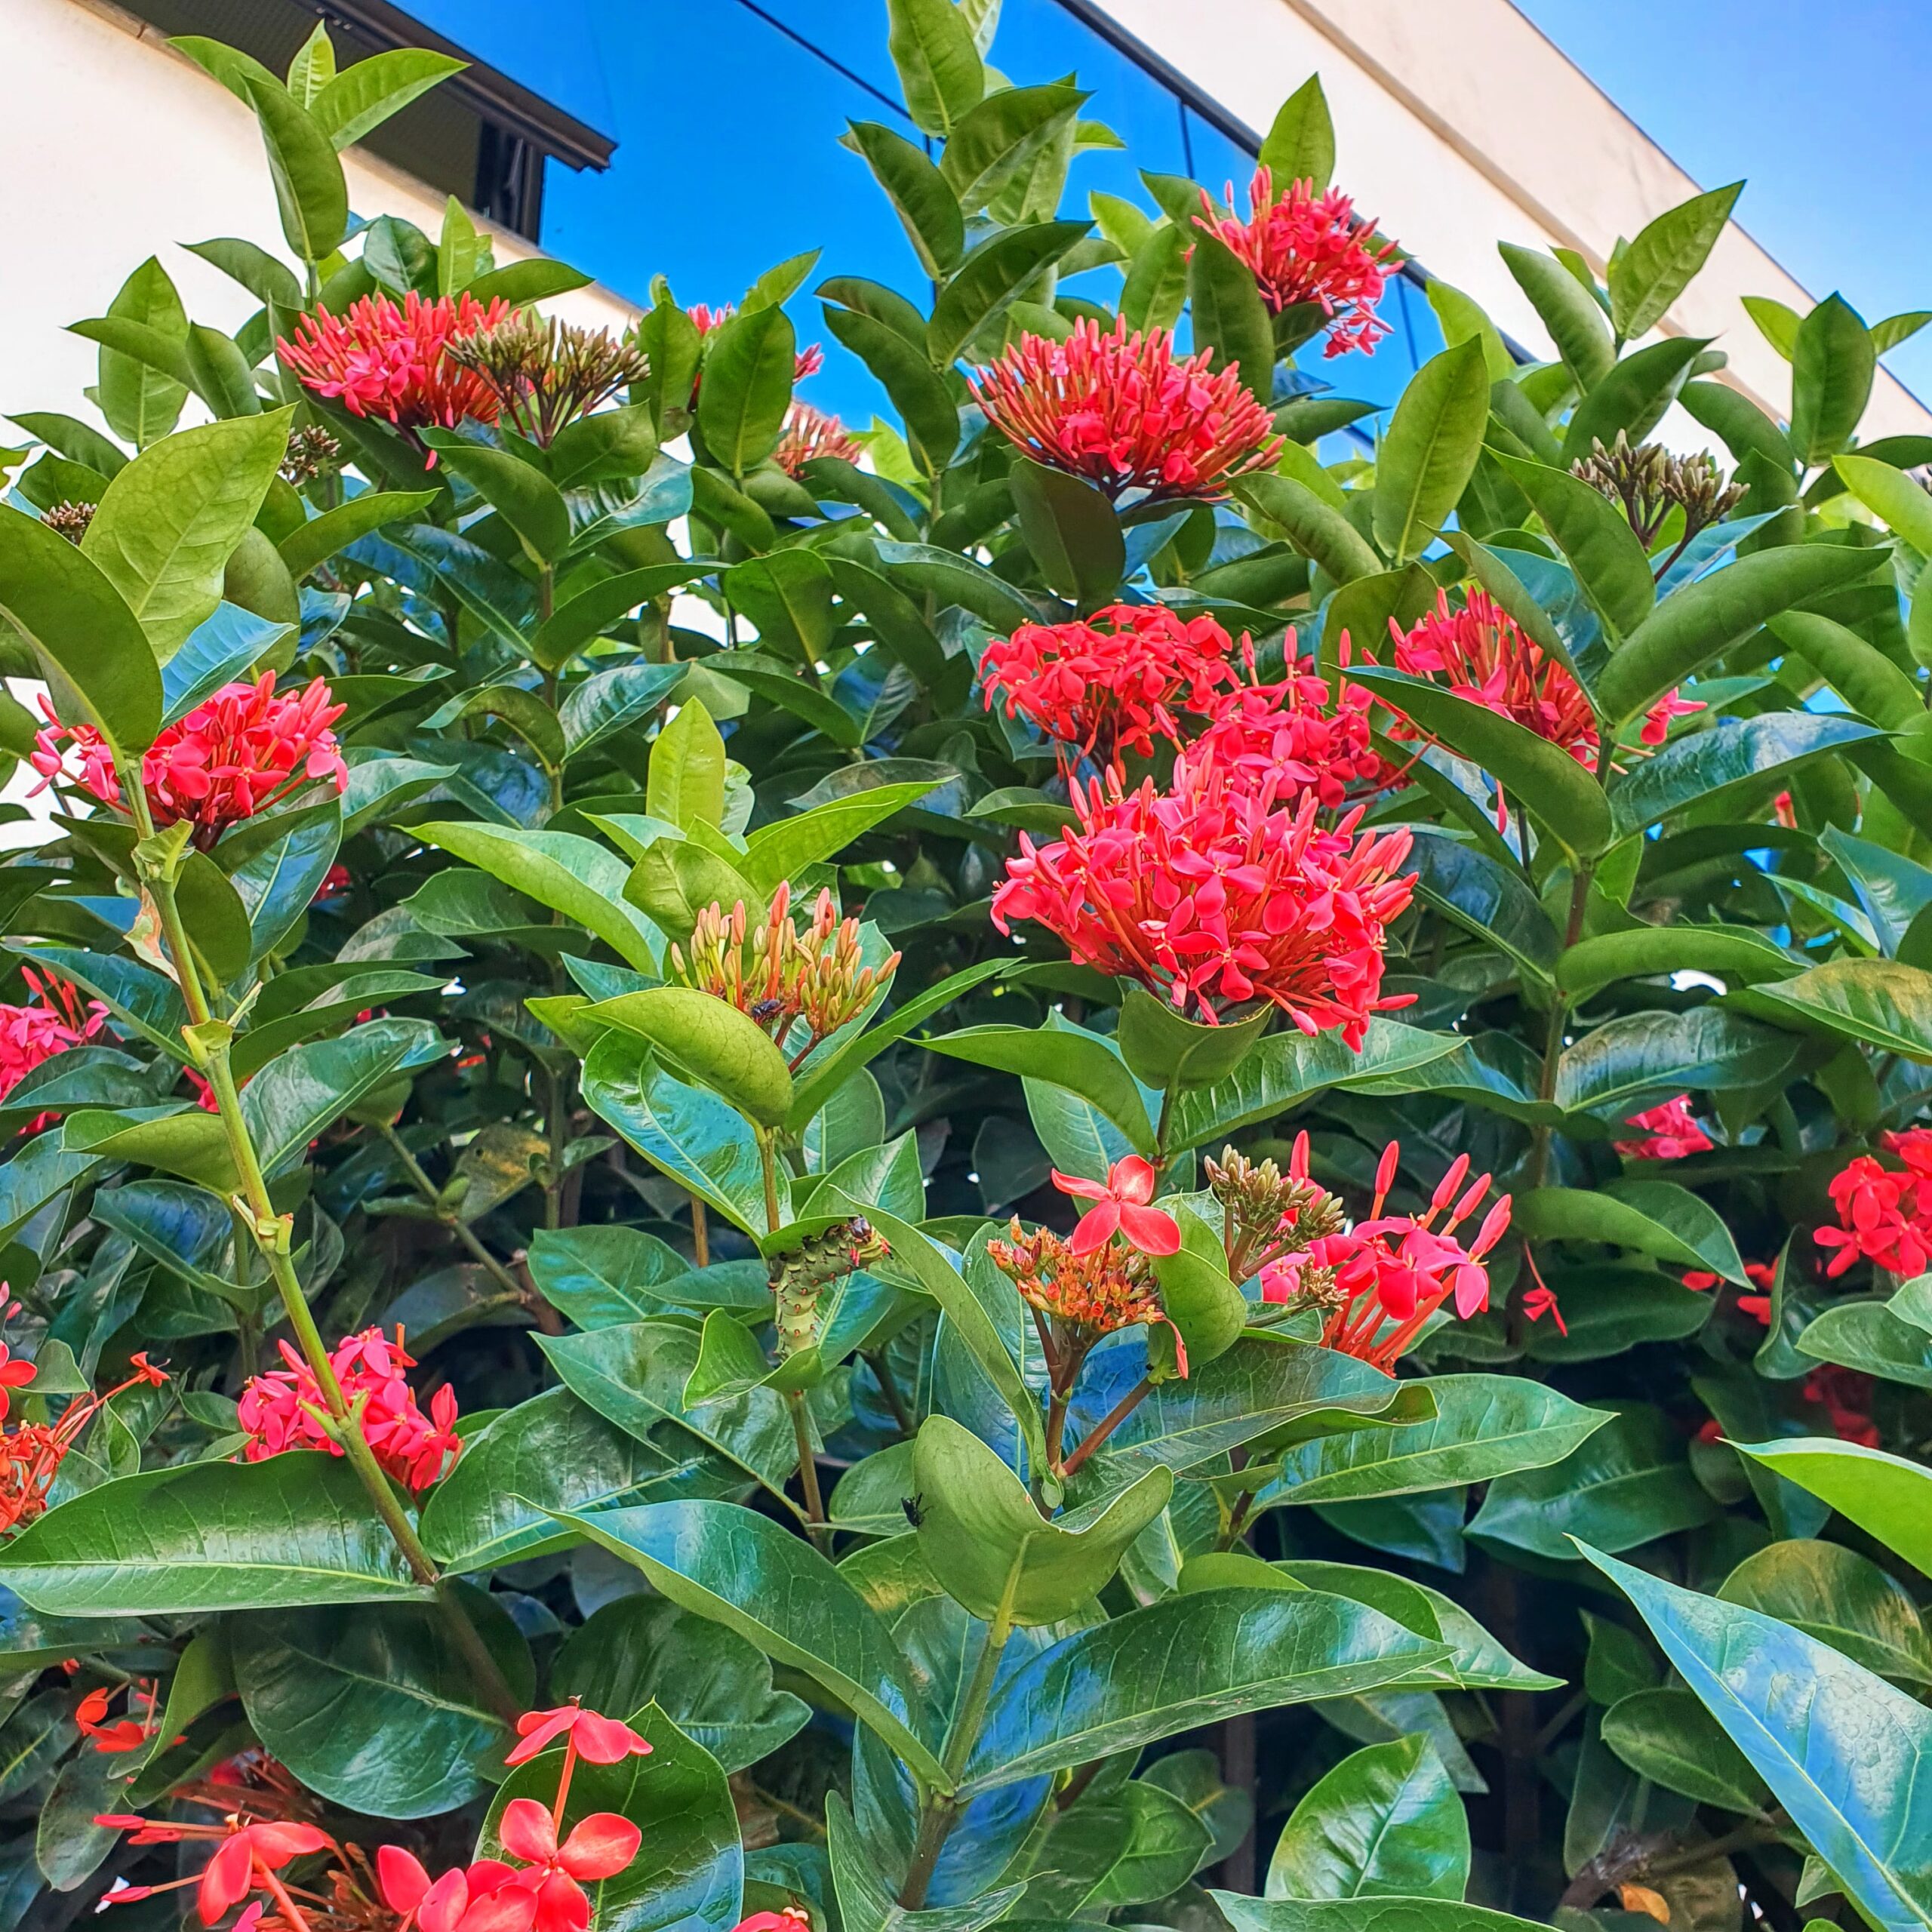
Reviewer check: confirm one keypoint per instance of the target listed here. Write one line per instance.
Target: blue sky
(1822, 109)
(727, 159)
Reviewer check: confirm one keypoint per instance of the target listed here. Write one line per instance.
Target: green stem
(767, 1164)
(939, 1814)
(1559, 1016)
(817, 1527)
(426, 1187)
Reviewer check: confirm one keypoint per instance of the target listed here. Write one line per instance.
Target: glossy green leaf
(1385, 1822)
(1595, 535)
(1833, 363)
(1734, 953)
(927, 207)
(1575, 320)
(939, 67)
(1841, 1597)
(1732, 752)
(1230, 316)
(1317, 529)
(709, 1041)
(1300, 142)
(1082, 1062)
(747, 388)
(361, 98)
(1628, 1064)
(519, 492)
(140, 402)
(1071, 531)
(1655, 1217)
(1493, 901)
(1633, 398)
(1429, 450)
(1884, 1494)
(1666, 254)
(1880, 1002)
(310, 192)
(990, 278)
(1666, 1735)
(289, 1102)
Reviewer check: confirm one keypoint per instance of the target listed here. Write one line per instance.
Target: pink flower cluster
(50, 1022)
(1223, 889)
(1305, 248)
(811, 432)
(1884, 1216)
(1113, 682)
(1292, 728)
(381, 360)
(1384, 1277)
(1670, 1132)
(1125, 412)
(242, 749)
(284, 1410)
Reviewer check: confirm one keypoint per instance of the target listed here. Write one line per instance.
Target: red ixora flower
(127, 1733)
(243, 750)
(1304, 248)
(1396, 1269)
(1670, 1132)
(1884, 1216)
(1845, 1395)
(381, 360)
(1292, 728)
(1127, 413)
(284, 1410)
(1120, 1205)
(1478, 652)
(600, 1740)
(1218, 892)
(32, 1453)
(50, 1022)
(1113, 682)
(811, 432)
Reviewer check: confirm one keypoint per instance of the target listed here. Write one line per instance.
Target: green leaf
(749, 367)
(940, 70)
(1009, 131)
(688, 1870)
(140, 402)
(745, 1571)
(710, 1041)
(328, 1691)
(290, 1101)
(1081, 1063)
(1840, 1597)
(1316, 529)
(1884, 1494)
(1860, 673)
(785, 849)
(1666, 1735)
(573, 875)
(715, 1687)
(1656, 267)
(1462, 319)
(865, 1902)
(789, 598)
(1540, 777)
(925, 568)
(702, 1143)
(1300, 146)
(1633, 398)
(1627, 1485)
(610, 702)
(1833, 364)
(1903, 506)
(1230, 318)
(1430, 449)
(310, 190)
(1385, 1822)
(1187, 1660)
(1071, 531)
(1867, 1335)
(686, 771)
(169, 520)
(1567, 309)
(927, 207)
(519, 492)
(916, 390)
(89, 645)
(1166, 1050)
(1595, 535)
(322, 536)
(555, 1453)
(1840, 1749)
(361, 98)
(1706, 619)
(1643, 1057)
(1879, 1001)
(1656, 1217)
(1733, 751)
(1485, 1427)
(989, 279)
(1493, 901)
(984, 1538)
(296, 1529)
(587, 615)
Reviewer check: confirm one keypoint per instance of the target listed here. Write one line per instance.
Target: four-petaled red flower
(811, 432)
(1670, 1132)
(381, 360)
(1113, 682)
(1479, 653)
(599, 1847)
(127, 1733)
(600, 1740)
(247, 1860)
(1306, 247)
(1394, 1269)
(283, 1409)
(1127, 413)
(1120, 1205)
(1884, 1216)
(236, 753)
(1220, 891)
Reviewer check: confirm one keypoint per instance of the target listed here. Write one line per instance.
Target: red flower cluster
(127, 1733)
(1291, 728)
(31, 1454)
(380, 360)
(1124, 411)
(811, 432)
(1478, 652)
(50, 1022)
(1884, 1216)
(1111, 683)
(1218, 892)
(241, 750)
(284, 1410)
(1304, 247)
(1670, 1132)
(1396, 1269)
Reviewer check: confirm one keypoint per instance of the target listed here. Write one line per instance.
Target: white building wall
(114, 147)
(1459, 126)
